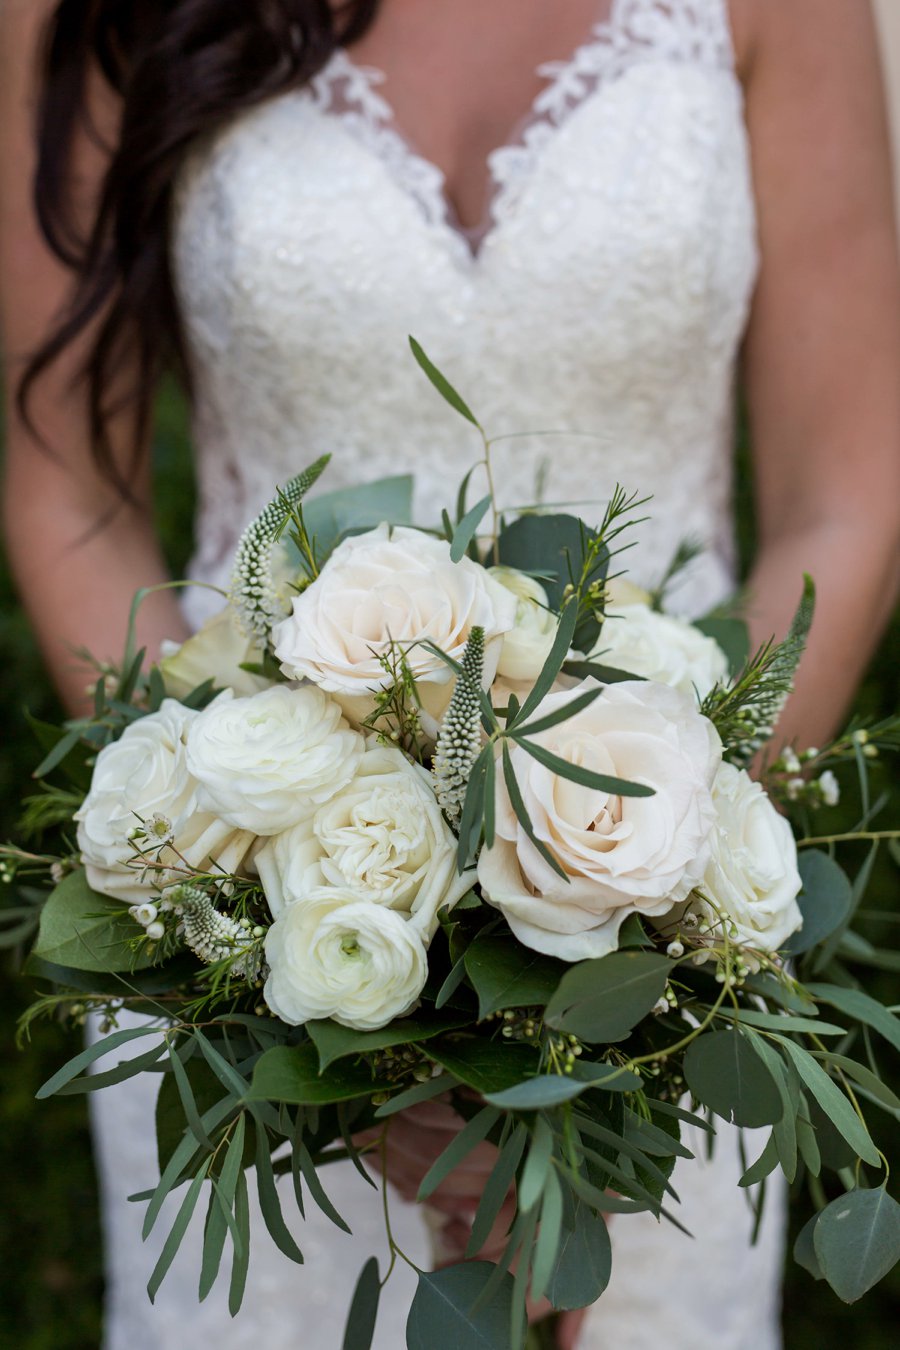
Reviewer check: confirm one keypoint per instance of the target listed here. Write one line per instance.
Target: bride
(593, 215)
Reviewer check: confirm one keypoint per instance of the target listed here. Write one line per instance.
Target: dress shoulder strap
(685, 30)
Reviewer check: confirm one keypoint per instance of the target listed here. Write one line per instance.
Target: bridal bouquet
(463, 813)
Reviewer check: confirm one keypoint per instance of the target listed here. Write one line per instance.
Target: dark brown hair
(180, 68)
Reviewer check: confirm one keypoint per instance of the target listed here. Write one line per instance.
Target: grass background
(50, 1254)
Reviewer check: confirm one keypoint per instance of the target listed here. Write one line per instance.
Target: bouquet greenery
(463, 813)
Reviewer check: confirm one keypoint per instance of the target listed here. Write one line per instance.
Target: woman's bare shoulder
(778, 31)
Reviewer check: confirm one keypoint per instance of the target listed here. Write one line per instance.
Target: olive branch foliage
(577, 1074)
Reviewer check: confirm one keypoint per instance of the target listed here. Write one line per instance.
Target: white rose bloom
(142, 775)
(752, 873)
(621, 855)
(267, 762)
(331, 955)
(391, 587)
(383, 837)
(527, 645)
(660, 647)
(215, 652)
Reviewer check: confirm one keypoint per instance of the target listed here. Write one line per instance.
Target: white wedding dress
(606, 297)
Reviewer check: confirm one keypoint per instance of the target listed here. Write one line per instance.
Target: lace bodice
(605, 297)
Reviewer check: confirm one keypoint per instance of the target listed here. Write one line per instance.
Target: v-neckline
(349, 92)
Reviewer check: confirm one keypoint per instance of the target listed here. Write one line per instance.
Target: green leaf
(127, 1068)
(442, 384)
(825, 900)
(496, 1189)
(553, 547)
(331, 516)
(363, 1309)
(563, 714)
(805, 1251)
(176, 1236)
(576, 773)
(854, 1003)
(269, 1203)
(170, 1114)
(785, 1132)
(867, 1080)
(781, 1022)
(188, 1101)
(547, 1090)
(607, 1077)
(733, 637)
(521, 812)
(87, 931)
(473, 1133)
(603, 1000)
(240, 1264)
(470, 823)
(486, 1066)
(725, 1073)
(465, 530)
(537, 1166)
(765, 1163)
(303, 1164)
(583, 1262)
(291, 1074)
(833, 1102)
(334, 1041)
(504, 974)
(551, 667)
(548, 1239)
(221, 1203)
(93, 1052)
(447, 1314)
(857, 1241)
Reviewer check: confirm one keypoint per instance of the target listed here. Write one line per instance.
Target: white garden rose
(387, 589)
(752, 873)
(332, 955)
(267, 762)
(621, 855)
(527, 645)
(383, 837)
(216, 651)
(660, 647)
(143, 779)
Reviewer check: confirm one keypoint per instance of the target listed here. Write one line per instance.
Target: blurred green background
(50, 1256)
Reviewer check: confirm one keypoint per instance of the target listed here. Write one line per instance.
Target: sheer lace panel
(635, 31)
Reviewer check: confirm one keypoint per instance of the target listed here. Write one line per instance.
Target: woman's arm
(76, 575)
(822, 360)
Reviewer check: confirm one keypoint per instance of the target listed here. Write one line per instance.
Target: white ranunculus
(527, 645)
(267, 762)
(332, 955)
(383, 837)
(752, 873)
(389, 589)
(621, 855)
(216, 651)
(144, 777)
(660, 647)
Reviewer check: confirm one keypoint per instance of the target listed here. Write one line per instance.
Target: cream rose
(660, 647)
(527, 645)
(144, 778)
(752, 872)
(383, 837)
(391, 588)
(621, 855)
(331, 955)
(217, 651)
(267, 762)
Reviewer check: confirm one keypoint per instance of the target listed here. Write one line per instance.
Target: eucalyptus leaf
(88, 931)
(825, 900)
(583, 1262)
(421, 1092)
(537, 1166)
(521, 813)
(764, 1165)
(177, 1233)
(334, 1041)
(725, 1073)
(473, 1133)
(548, 1237)
(486, 1066)
(88, 1056)
(332, 516)
(857, 1241)
(546, 1090)
(805, 1251)
(363, 1309)
(448, 1312)
(291, 1074)
(465, 530)
(221, 1202)
(603, 1000)
(240, 1264)
(553, 546)
(576, 773)
(862, 1007)
(504, 974)
(867, 1080)
(497, 1188)
(733, 636)
(833, 1102)
(441, 383)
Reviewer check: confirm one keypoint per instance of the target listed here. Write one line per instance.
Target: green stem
(872, 836)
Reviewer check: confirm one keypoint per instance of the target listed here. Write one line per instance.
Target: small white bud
(830, 788)
(675, 949)
(156, 931)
